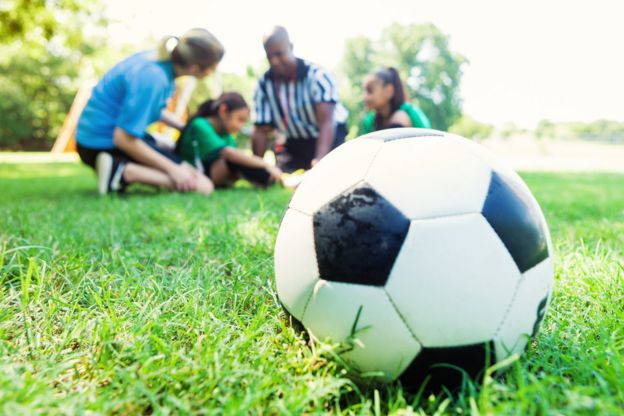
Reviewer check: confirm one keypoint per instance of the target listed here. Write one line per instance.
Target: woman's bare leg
(135, 173)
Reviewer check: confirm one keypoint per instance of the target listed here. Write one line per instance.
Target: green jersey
(200, 141)
(415, 114)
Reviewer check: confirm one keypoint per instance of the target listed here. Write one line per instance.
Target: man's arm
(325, 117)
(259, 139)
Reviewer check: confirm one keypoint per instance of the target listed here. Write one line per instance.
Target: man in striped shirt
(300, 100)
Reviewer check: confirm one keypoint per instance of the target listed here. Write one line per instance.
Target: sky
(528, 61)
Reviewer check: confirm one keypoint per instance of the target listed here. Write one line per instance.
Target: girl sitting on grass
(385, 97)
(207, 142)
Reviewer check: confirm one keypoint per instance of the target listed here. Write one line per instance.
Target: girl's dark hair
(391, 76)
(232, 100)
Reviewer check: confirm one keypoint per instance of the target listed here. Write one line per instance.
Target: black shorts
(298, 153)
(88, 155)
(257, 176)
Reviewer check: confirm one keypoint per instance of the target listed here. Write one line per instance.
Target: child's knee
(204, 185)
(130, 172)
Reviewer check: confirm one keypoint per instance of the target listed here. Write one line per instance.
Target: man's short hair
(278, 34)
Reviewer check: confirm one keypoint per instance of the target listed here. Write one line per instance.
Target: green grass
(165, 304)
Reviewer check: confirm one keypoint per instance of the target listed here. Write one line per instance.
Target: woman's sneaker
(110, 173)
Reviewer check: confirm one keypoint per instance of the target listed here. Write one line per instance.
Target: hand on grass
(275, 172)
(184, 177)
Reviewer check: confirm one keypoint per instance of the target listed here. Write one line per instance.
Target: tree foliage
(44, 46)
(598, 130)
(358, 54)
(430, 70)
(224, 82)
(470, 128)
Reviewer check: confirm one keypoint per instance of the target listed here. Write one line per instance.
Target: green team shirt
(415, 114)
(201, 141)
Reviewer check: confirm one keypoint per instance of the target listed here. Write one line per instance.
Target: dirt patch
(37, 157)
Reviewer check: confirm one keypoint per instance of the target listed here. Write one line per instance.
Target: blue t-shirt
(130, 96)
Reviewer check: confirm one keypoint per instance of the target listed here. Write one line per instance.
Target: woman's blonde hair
(195, 47)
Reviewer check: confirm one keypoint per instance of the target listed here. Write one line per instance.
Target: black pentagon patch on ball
(516, 219)
(447, 367)
(390, 135)
(357, 237)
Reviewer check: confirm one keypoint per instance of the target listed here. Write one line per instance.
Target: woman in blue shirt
(131, 96)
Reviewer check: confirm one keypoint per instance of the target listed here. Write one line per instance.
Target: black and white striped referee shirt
(289, 105)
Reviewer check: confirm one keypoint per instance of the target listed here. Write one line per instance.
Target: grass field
(165, 304)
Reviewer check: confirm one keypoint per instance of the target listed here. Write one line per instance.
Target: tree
(210, 87)
(510, 129)
(470, 128)
(430, 70)
(44, 48)
(545, 129)
(597, 130)
(21, 18)
(359, 52)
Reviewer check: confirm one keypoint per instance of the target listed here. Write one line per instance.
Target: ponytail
(232, 100)
(207, 108)
(391, 76)
(195, 47)
(166, 46)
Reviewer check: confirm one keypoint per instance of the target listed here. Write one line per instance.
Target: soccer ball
(420, 252)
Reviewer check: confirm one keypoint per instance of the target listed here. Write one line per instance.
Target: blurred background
(538, 82)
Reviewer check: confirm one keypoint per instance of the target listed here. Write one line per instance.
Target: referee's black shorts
(298, 153)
